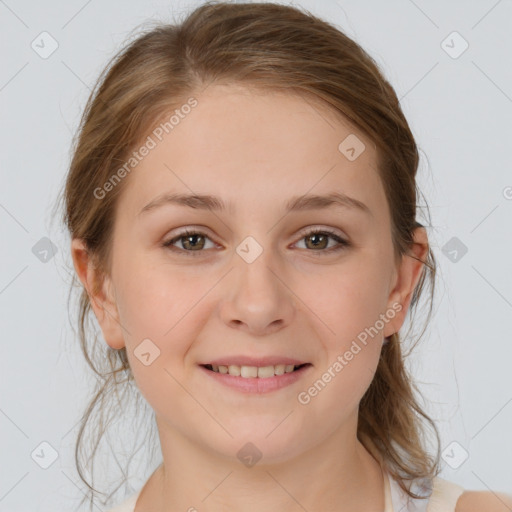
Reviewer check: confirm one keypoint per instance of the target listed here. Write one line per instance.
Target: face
(255, 283)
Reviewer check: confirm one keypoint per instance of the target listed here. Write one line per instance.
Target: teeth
(262, 372)
(279, 369)
(248, 371)
(265, 372)
(234, 370)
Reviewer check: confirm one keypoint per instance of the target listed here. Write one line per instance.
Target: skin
(257, 151)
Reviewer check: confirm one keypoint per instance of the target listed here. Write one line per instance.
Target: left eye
(320, 240)
(194, 241)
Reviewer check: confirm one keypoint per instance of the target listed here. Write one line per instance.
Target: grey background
(460, 112)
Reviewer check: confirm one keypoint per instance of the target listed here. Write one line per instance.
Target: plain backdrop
(450, 65)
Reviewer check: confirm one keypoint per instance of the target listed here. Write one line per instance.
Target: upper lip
(254, 361)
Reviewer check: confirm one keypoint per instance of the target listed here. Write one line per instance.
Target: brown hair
(279, 48)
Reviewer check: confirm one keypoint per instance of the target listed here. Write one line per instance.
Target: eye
(319, 241)
(191, 242)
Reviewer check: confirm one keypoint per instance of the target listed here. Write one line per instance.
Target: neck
(340, 474)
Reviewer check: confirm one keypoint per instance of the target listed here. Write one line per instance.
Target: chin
(265, 445)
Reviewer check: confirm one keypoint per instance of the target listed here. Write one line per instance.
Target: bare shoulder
(477, 501)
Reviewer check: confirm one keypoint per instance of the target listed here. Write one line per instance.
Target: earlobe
(100, 291)
(407, 277)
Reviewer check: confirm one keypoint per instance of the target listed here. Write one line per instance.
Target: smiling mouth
(255, 372)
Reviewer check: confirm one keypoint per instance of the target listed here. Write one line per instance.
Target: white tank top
(443, 497)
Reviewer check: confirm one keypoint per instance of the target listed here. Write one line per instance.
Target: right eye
(191, 242)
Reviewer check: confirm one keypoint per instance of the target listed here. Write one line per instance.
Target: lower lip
(257, 384)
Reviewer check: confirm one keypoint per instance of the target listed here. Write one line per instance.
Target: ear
(406, 278)
(100, 291)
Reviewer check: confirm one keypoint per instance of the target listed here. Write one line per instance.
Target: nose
(257, 298)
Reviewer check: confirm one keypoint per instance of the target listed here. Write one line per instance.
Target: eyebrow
(295, 204)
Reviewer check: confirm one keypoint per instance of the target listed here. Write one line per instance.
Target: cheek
(358, 316)
(153, 297)
(156, 311)
(340, 382)
(167, 306)
(349, 302)
(335, 392)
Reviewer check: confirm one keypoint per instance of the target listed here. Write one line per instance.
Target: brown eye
(195, 241)
(318, 240)
(191, 242)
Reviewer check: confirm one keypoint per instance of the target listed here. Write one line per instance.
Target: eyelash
(342, 243)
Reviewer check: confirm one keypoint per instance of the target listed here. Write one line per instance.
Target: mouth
(255, 379)
(255, 372)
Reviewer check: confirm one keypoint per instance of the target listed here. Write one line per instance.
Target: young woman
(242, 208)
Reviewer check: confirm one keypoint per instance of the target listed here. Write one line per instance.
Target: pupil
(191, 239)
(316, 237)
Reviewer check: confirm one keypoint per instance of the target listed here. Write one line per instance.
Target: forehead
(255, 147)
